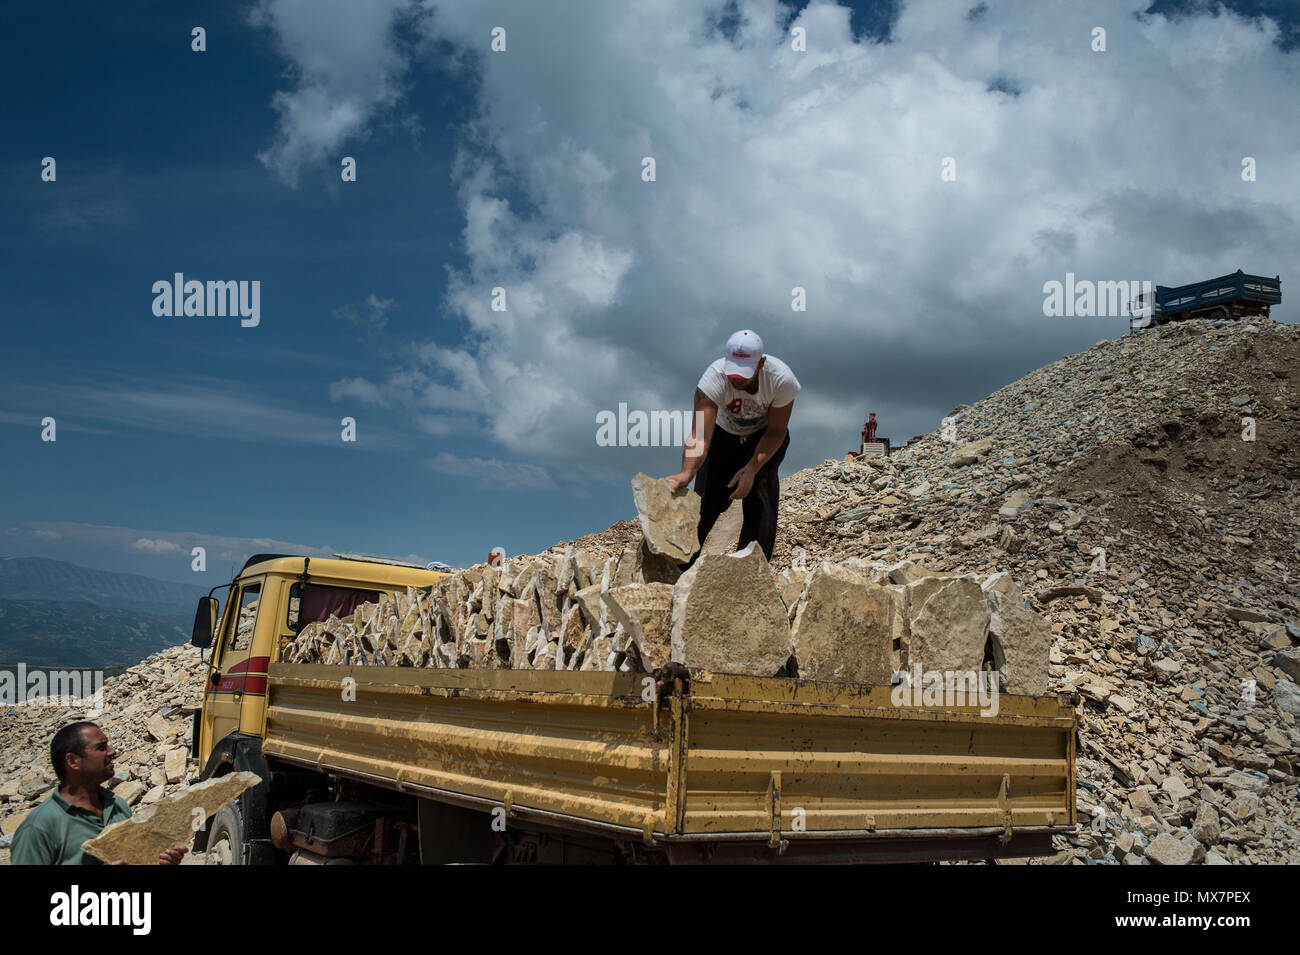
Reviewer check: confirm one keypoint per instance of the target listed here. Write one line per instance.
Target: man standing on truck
(739, 434)
(80, 808)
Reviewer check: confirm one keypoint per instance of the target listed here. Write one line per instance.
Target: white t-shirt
(741, 413)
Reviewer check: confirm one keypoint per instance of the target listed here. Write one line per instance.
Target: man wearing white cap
(742, 413)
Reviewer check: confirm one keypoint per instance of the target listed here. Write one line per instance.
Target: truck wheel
(226, 840)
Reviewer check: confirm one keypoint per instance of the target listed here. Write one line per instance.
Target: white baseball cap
(743, 353)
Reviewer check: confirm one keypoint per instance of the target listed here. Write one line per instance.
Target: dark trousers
(727, 455)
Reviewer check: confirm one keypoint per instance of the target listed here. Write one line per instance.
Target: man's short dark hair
(70, 739)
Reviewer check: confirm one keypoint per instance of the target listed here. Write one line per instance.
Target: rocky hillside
(1117, 488)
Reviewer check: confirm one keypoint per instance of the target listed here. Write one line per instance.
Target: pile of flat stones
(855, 621)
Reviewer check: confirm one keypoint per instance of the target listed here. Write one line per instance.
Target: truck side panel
(846, 758)
(734, 757)
(1235, 287)
(575, 745)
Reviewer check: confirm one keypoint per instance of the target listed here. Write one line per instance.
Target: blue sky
(521, 169)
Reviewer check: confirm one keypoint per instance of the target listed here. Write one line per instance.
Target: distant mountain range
(53, 613)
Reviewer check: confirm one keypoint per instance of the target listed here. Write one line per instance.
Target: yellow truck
(389, 765)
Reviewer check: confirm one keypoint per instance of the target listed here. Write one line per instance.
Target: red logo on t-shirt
(735, 406)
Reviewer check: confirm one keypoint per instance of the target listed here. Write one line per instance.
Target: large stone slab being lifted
(670, 522)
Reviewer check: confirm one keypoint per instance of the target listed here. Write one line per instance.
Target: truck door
(234, 672)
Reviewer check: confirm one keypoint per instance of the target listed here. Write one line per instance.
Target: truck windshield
(320, 602)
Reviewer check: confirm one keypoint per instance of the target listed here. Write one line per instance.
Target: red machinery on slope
(871, 446)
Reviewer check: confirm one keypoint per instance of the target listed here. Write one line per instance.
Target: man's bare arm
(703, 419)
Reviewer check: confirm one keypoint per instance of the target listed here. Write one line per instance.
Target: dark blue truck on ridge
(1236, 295)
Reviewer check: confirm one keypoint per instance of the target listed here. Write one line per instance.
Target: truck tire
(226, 839)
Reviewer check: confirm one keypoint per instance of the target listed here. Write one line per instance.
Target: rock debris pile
(148, 716)
(1143, 493)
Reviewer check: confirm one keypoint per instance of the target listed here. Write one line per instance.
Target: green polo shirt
(54, 831)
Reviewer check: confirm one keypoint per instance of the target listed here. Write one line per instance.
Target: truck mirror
(205, 621)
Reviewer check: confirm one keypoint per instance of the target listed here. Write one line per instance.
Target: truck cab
(267, 603)
(1143, 309)
(273, 597)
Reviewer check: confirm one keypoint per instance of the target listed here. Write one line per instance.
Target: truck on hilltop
(1233, 296)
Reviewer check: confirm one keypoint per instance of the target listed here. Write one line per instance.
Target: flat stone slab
(130, 791)
(670, 522)
(971, 452)
(174, 764)
(646, 613)
(728, 616)
(1015, 504)
(949, 624)
(169, 822)
(1287, 697)
(843, 628)
(9, 825)
(725, 534)
(1168, 850)
(1023, 637)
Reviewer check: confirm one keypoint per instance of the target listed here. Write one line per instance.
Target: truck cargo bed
(727, 767)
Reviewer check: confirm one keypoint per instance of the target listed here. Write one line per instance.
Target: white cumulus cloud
(490, 472)
(345, 68)
(819, 170)
(156, 545)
